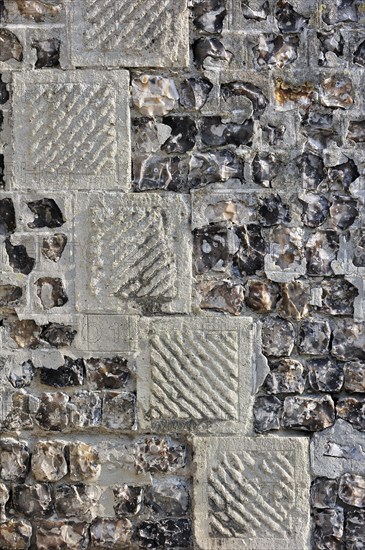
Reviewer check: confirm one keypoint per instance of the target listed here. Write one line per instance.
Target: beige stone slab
(195, 374)
(129, 33)
(109, 333)
(77, 134)
(133, 253)
(251, 493)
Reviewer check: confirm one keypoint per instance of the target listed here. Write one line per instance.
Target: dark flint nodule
(343, 211)
(359, 55)
(309, 413)
(338, 297)
(182, 138)
(352, 409)
(247, 90)
(19, 260)
(58, 335)
(7, 216)
(11, 47)
(354, 529)
(259, 14)
(159, 172)
(53, 246)
(108, 373)
(314, 337)
(316, 209)
(325, 375)
(194, 92)
(288, 19)
(165, 533)
(225, 296)
(214, 166)
(321, 250)
(312, 167)
(215, 132)
(48, 53)
(277, 51)
(328, 528)
(51, 292)
(211, 248)
(356, 131)
(343, 174)
(330, 41)
(209, 15)
(278, 337)
(285, 376)
(10, 295)
(250, 256)
(324, 493)
(261, 296)
(69, 374)
(267, 413)
(47, 214)
(265, 168)
(273, 211)
(208, 47)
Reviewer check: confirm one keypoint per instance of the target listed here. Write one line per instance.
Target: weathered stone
(62, 535)
(287, 94)
(25, 333)
(19, 259)
(343, 211)
(226, 296)
(354, 529)
(286, 376)
(209, 15)
(278, 337)
(214, 132)
(183, 134)
(331, 46)
(265, 168)
(351, 490)
(267, 413)
(277, 50)
(154, 95)
(338, 297)
(273, 211)
(7, 216)
(38, 10)
(247, 90)
(348, 340)
(10, 295)
(22, 407)
(48, 53)
(356, 131)
(320, 129)
(14, 460)
(261, 296)
(321, 250)
(154, 454)
(213, 248)
(256, 13)
(69, 374)
(149, 135)
(194, 92)
(294, 302)
(337, 91)
(20, 375)
(53, 411)
(48, 461)
(352, 410)
(314, 337)
(286, 247)
(107, 372)
(53, 246)
(58, 335)
(211, 48)
(77, 500)
(354, 377)
(345, 11)
(85, 409)
(166, 533)
(359, 54)
(316, 209)
(50, 292)
(343, 174)
(128, 499)
(288, 19)
(159, 172)
(84, 461)
(308, 413)
(324, 492)
(111, 534)
(328, 528)
(325, 375)
(33, 500)
(47, 213)
(15, 534)
(118, 410)
(312, 167)
(169, 497)
(11, 47)
(249, 258)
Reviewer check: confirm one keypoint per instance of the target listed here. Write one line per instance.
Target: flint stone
(294, 302)
(214, 132)
(168, 497)
(85, 409)
(154, 95)
(354, 377)
(19, 260)
(166, 533)
(48, 53)
(25, 333)
(308, 413)
(331, 44)
(159, 172)
(265, 168)
(338, 450)
(20, 416)
(278, 337)
(208, 49)
(329, 526)
(314, 337)
(183, 134)
(47, 213)
(316, 209)
(111, 534)
(21, 375)
(10, 295)
(289, 20)
(343, 211)
(14, 460)
(273, 211)
(7, 216)
(337, 91)
(77, 500)
(48, 461)
(84, 461)
(62, 535)
(209, 15)
(118, 410)
(277, 50)
(312, 167)
(212, 166)
(259, 14)
(356, 131)
(212, 248)
(249, 258)
(11, 47)
(354, 529)
(33, 500)
(325, 375)
(194, 92)
(352, 409)
(351, 490)
(286, 376)
(128, 499)
(69, 374)
(261, 296)
(348, 340)
(324, 493)
(343, 174)
(16, 534)
(53, 411)
(338, 297)
(286, 247)
(155, 454)
(267, 412)
(227, 297)
(321, 251)
(58, 335)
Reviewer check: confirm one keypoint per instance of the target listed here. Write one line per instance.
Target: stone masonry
(182, 267)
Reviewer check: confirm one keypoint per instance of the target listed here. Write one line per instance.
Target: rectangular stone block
(195, 373)
(108, 333)
(251, 493)
(77, 133)
(133, 253)
(129, 33)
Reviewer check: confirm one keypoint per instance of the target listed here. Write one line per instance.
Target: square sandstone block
(77, 134)
(133, 253)
(251, 493)
(195, 373)
(129, 33)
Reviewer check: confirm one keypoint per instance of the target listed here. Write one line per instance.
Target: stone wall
(182, 325)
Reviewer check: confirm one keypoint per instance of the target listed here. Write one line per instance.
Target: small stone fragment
(354, 377)
(213, 166)
(249, 259)
(343, 174)
(7, 216)
(277, 50)
(209, 15)
(15, 534)
(53, 411)
(118, 410)
(359, 54)
(261, 296)
(214, 132)
(129, 500)
(85, 409)
(314, 337)
(265, 168)
(299, 94)
(155, 454)
(166, 533)
(354, 529)
(194, 92)
(338, 297)
(286, 246)
(267, 412)
(331, 45)
(328, 528)
(312, 167)
(48, 53)
(84, 461)
(324, 492)
(58, 335)
(25, 333)
(348, 340)
(20, 415)
(77, 500)
(321, 251)
(286, 376)
(212, 250)
(32, 500)
(246, 90)
(337, 91)
(316, 209)
(47, 214)
(257, 13)
(154, 95)
(50, 292)
(19, 259)
(308, 413)
(343, 211)
(212, 48)
(61, 535)
(352, 410)
(69, 374)
(273, 211)
(14, 460)
(288, 19)
(278, 337)
(159, 172)
(48, 461)
(21, 374)
(107, 373)
(169, 497)
(183, 134)
(351, 490)
(325, 375)
(356, 131)
(10, 46)
(294, 302)
(226, 296)
(53, 246)
(38, 10)
(10, 295)
(111, 534)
